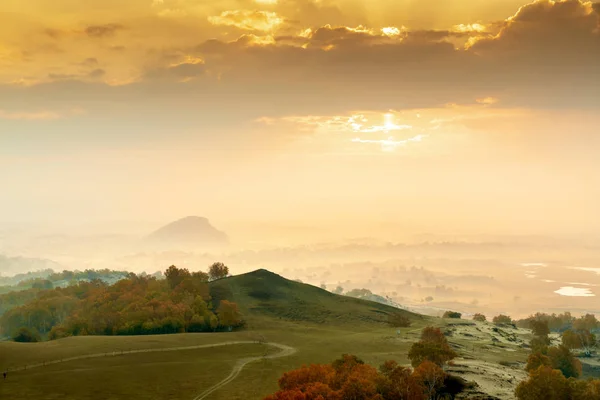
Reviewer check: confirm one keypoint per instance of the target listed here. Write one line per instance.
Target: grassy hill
(264, 295)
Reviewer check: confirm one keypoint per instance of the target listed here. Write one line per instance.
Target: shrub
(26, 335)
(398, 320)
(479, 317)
(502, 320)
(452, 314)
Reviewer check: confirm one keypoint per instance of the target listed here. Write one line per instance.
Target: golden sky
(479, 114)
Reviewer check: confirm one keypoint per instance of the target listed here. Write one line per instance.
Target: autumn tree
(587, 322)
(581, 339)
(433, 347)
(539, 328)
(200, 276)
(346, 378)
(571, 340)
(539, 344)
(536, 360)
(431, 377)
(543, 383)
(563, 360)
(301, 378)
(479, 317)
(176, 275)
(229, 314)
(218, 270)
(398, 382)
(502, 320)
(398, 320)
(452, 314)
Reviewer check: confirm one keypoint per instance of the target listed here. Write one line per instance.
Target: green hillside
(265, 295)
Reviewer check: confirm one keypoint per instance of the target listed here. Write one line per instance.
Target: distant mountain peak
(190, 230)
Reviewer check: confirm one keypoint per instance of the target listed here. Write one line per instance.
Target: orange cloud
(248, 20)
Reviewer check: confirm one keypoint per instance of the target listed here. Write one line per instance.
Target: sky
(457, 115)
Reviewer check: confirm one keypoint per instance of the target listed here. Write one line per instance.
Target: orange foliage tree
(431, 377)
(543, 383)
(432, 347)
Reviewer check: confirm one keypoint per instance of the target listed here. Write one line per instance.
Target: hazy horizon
(460, 118)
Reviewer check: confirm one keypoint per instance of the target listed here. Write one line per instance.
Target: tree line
(136, 305)
(554, 370)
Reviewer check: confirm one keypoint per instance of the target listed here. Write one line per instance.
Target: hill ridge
(264, 295)
(189, 230)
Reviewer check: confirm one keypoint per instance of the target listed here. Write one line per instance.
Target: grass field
(163, 375)
(277, 310)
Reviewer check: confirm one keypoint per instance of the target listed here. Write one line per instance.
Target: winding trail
(285, 351)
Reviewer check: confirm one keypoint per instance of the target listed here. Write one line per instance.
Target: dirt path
(285, 351)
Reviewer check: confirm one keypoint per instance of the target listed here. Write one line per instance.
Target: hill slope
(262, 294)
(192, 230)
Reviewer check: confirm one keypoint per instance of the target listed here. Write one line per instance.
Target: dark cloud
(99, 31)
(546, 55)
(53, 33)
(544, 28)
(91, 61)
(97, 73)
(60, 77)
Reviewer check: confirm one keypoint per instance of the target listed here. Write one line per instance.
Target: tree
(399, 382)
(433, 347)
(398, 320)
(431, 377)
(176, 275)
(539, 328)
(563, 360)
(587, 322)
(543, 383)
(502, 320)
(452, 314)
(26, 335)
(536, 360)
(218, 270)
(200, 276)
(479, 317)
(306, 375)
(593, 390)
(539, 344)
(229, 314)
(581, 339)
(42, 284)
(571, 340)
